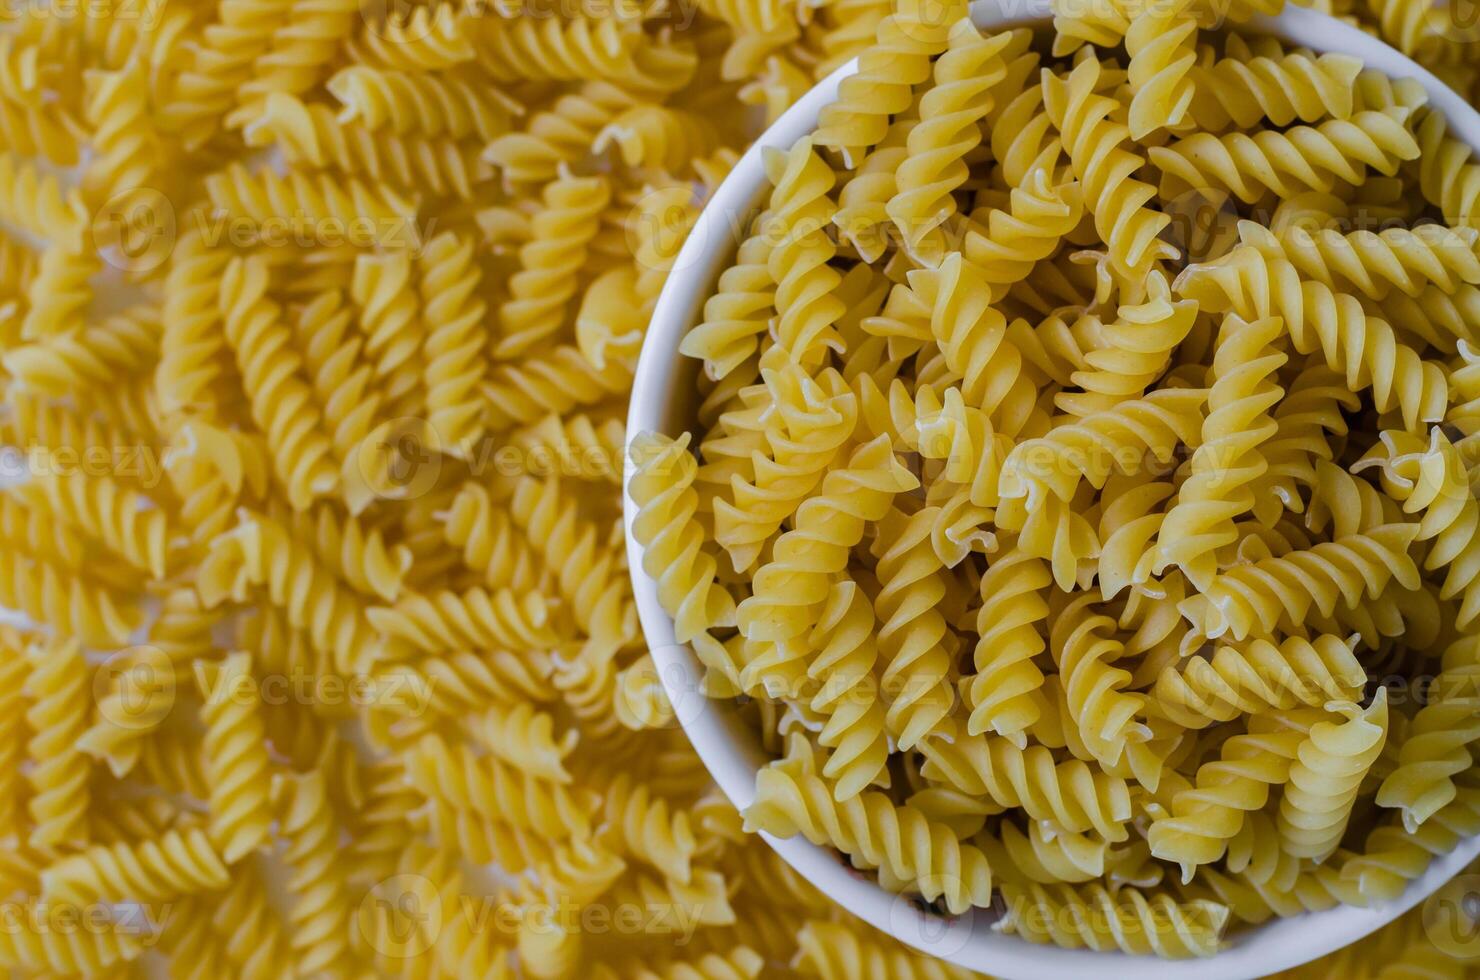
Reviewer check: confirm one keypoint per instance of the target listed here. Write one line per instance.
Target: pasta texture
(1083, 475)
(1075, 556)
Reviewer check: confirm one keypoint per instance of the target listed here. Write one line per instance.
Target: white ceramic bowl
(664, 399)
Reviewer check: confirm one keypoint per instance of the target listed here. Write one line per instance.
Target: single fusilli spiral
(1207, 814)
(1257, 677)
(311, 135)
(908, 848)
(1227, 462)
(1126, 919)
(1038, 217)
(319, 912)
(1003, 693)
(551, 262)
(1104, 165)
(175, 864)
(1374, 263)
(950, 128)
(236, 756)
(453, 349)
(1301, 159)
(915, 642)
(420, 104)
(1242, 89)
(56, 688)
(662, 489)
(1330, 764)
(1162, 44)
(456, 776)
(282, 401)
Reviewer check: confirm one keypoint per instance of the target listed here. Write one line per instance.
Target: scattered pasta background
(318, 320)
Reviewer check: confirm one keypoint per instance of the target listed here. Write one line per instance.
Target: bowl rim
(732, 752)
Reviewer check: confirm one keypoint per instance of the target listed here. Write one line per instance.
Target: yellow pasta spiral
(1329, 767)
(1434, 751)
(38, 204)
(1448, 175)
(65, 950)
(551, 262)
(382, 289)
(1244, 88)
(454, 344)
(60, 293)
(557, 379)
(125, 522)
(1084, 646)
(1319, 319)
(798, 262)
(1434, 481)
(1104, 166)
(1092, 916)
(419, 104)
(236, 756)
(914, 639)
(1207, 814)
(642, 826)
(1003, 693)
(973, 341)
(900, 58)
(837, 951)
(1253, 599)
(1258, 677)
(282, 401)
(525, 739)
(950, 116)
(122, 345)
(1374, 263)
(558, 135)
(1124, 438)
(1162, 44)
(177, 863)
(814, 418)
(311, 135)
(426, 38)
(473, 618)
(56, 687)
(1131, 351)
(332, 206)
(1038, 217)
(788, 589)
(662, 489)
(263, 552)
(454, 775)
(319, 912)
(737, 315)
(910, 850)
(543, 47)
(1227, 462)
(1301, 159)
(848, 691)
(585, 571)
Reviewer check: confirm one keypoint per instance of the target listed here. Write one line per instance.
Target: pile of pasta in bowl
(1080, 500)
